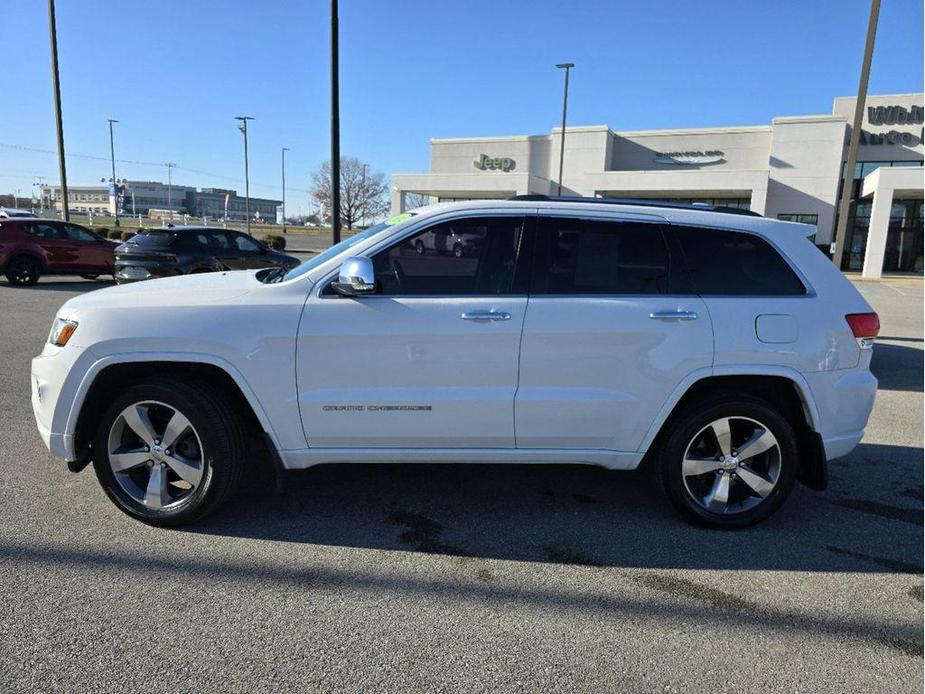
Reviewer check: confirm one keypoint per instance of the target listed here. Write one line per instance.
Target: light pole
(170, 168)
(568, 67)
(335, 127)
(247, 184)
(283, 152)
(112, 160)
(59, 125)
(847, 188)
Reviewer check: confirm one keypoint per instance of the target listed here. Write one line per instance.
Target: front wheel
(729, 463)
(23, 271)
(169, 452)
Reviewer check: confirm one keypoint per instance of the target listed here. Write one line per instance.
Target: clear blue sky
(175, 73)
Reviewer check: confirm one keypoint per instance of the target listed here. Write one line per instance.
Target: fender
(138, 357)
(806, 394)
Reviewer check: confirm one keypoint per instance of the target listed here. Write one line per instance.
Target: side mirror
(356, 277)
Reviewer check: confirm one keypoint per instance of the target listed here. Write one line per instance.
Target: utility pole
(847, 188)
(365, 199)
(59, 125)
(568, 67)
(335, 128)
(170, 167)
(112, 159)
(247, 183)
(284, 150)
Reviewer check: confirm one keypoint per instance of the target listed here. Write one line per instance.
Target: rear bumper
(844, 400)
(139, 271)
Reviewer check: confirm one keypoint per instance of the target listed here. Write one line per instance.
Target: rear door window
(76, 233)
(583, 256)
(735, 263)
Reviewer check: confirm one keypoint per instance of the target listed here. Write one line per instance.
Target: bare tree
(416, 200)
(363, 193)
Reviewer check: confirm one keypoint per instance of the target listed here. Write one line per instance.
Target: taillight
(865, 326)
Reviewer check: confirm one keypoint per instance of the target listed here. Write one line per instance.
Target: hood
(186, 290)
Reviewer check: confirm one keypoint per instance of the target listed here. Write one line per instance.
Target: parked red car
(32, 247)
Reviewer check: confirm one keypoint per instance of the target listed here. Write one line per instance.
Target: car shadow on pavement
(63, 285)
(869, 519)
(897, 367)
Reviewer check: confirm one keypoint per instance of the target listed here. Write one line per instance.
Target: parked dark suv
(30, 247)
(171, 251)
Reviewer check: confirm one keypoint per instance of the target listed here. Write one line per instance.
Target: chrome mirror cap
(355, 277)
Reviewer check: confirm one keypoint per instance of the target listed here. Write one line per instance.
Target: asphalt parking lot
(464, 578)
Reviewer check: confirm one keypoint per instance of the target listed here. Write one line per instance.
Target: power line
(136, 162)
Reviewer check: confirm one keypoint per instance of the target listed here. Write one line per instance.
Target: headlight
(61, 331)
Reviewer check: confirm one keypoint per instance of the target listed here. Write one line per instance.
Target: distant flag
(226, 205)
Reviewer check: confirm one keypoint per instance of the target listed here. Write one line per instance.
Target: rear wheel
(169, 452)
(729, 463)
(419, 247)
(89, 277)
(23, 271)
(458, 250)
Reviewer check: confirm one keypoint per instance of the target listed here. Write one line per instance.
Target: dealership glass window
(859, 223)
(459, 258)
(730, 263)
(737, 203)
(579, 256)
(812, 219)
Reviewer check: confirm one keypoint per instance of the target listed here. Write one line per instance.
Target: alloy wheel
(155, 455)
(23, 270)
(731, 465)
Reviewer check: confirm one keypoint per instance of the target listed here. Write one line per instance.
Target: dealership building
(790, 169)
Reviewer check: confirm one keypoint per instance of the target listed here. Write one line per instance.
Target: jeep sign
(486, 163)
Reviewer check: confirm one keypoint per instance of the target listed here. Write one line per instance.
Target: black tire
(683, 430)
(90, 277)
(419, 247)
(223, 441)
(23, 270)
(457, 250)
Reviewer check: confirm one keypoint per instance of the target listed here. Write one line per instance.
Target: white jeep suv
(719, 348)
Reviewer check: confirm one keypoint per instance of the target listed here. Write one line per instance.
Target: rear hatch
(154, 246)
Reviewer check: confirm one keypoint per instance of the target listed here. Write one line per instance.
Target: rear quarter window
(734, 263)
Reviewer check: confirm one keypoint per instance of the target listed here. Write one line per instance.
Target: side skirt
(308, 457)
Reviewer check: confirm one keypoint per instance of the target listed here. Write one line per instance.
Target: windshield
(336, 249)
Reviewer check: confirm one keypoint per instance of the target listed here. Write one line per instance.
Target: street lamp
(247, 184)
(112, 159)
(283, 152)
(567, 67)
(170, 168)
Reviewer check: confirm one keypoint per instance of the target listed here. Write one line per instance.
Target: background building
(210, 202)
(143, 197)
(790, 169)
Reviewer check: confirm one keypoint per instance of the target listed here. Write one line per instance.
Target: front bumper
(55, 378)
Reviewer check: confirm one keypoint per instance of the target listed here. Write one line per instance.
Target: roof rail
(640, 202)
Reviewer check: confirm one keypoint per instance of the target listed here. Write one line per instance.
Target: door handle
(673, 315)
(486, 315)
